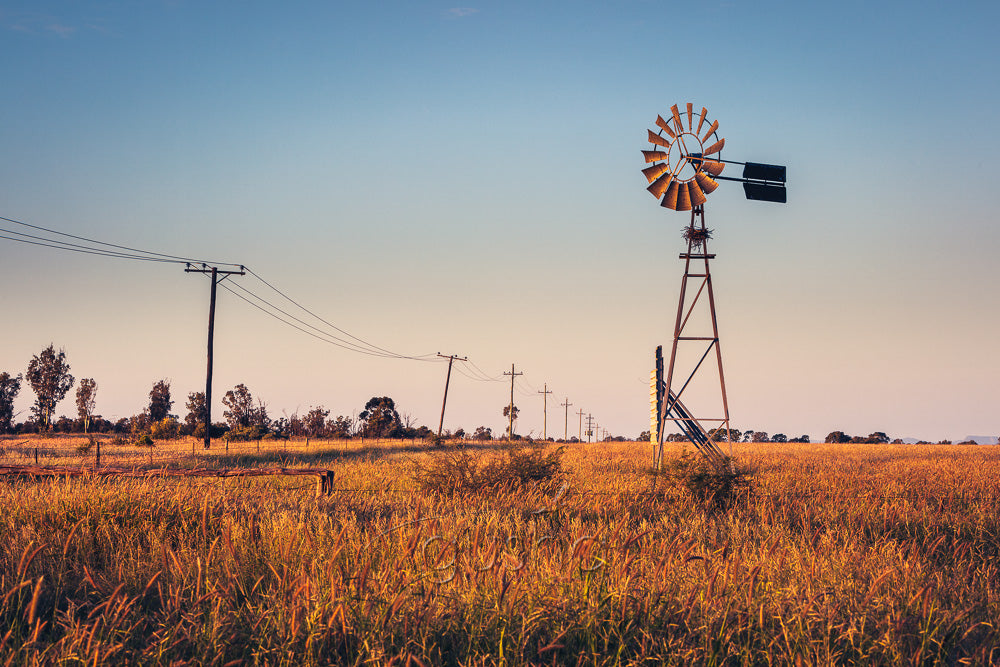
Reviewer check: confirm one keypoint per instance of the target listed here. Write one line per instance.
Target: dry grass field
(837, 554)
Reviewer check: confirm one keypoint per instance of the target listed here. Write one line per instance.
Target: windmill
(685, 165)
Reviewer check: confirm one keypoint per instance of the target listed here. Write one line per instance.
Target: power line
(163, 256)
(322, 338)
(82, 249)
(117, 251)
(347, 345)
(423, 357)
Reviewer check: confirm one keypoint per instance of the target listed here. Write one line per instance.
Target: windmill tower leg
(696, 268)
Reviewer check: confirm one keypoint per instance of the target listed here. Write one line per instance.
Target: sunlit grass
(863, 554)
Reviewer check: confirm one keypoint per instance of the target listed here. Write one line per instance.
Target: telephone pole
(451, 358)
(510, 412)
(545, 410)
(566, 405)
(590, 426)
(215, 273)
(580, 437)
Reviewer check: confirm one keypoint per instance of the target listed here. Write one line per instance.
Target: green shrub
(464, 472)
(165, 429)
(717, 487)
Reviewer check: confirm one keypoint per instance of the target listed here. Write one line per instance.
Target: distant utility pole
(510, 413)
(215, 273)
(590, 426)
(451, 358)
(545, 411)
(566, 405)
(580, 437)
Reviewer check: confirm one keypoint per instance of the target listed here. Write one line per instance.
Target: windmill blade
(716, 147)
(713, 167)
(683, 199)
(665, 126)
(701, 120)
(690, 114)
(654, 156)
(670, 199)
(658, 140)
(677, 118)
(706, 182)
(695, 193)
(654, 172)
(711, 130)
(660, 185)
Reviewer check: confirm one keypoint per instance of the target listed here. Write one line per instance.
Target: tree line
(246, 417)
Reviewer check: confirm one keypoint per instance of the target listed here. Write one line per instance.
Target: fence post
(98, 462)
(36, 455)
(324, 484)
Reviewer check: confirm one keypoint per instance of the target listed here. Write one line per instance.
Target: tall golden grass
(846, 554)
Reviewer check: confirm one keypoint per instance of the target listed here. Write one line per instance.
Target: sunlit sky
(465, 179)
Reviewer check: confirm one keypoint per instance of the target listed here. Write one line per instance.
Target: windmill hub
(685, 152)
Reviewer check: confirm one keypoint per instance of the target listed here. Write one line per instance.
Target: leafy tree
(315, 421)
(48, 375)
(379, 416)
(196, 412)
(159, 401)
(760, 436)
(878, 438)
(341, 427)
(9, 386)
(259, 417)
(801, 438)
(460, 433)
(241, 410)
(643, 437)
(837, 437)
(510, 422)
(86, 401)
(483, 433)
(779, 437)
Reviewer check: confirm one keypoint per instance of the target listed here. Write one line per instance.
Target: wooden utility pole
(451, 358)
(590, 426)
(566, 405)
(215, 273)
(545, 410)
(510, 412)
(580, 436)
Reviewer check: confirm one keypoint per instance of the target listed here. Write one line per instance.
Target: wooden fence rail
(324, 477)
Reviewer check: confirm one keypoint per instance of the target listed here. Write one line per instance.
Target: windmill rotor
(686, 163)
(681, 171)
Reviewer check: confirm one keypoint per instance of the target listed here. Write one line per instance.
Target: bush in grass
(166, 429)
(714, 487)
(245, 433)
(464, 472)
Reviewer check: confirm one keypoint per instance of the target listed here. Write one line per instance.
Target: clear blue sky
(465, 179)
